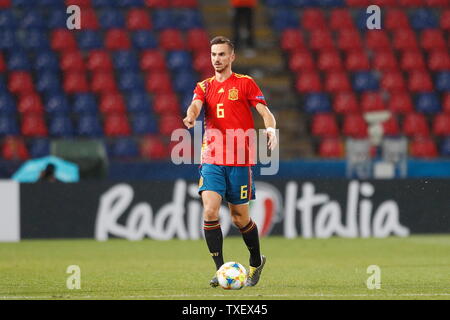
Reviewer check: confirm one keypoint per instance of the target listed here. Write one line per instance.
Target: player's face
(221, 57)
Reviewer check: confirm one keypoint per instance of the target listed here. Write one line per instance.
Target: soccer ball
(232, 276)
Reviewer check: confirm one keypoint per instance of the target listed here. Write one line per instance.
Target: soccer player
(228, 98)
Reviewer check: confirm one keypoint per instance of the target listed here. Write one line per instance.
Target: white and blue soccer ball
(232, 276)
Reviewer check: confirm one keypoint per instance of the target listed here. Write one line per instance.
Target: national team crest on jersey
(233, 94)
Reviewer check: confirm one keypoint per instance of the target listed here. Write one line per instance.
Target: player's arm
(270, 124)
(192, 113)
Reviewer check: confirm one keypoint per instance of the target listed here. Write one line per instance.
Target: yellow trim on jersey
(202, 84)
(242, 76)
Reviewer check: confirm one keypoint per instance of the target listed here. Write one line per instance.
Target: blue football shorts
(233, 183)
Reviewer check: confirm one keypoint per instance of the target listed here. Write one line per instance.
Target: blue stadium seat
(46, 61)
(18, 61)
(130, 3)
(138, 101)
(48, 81)
(364, 81)
(188, 19)
(445, 147)
(32, 20)
(39, 148)
(331, 3)
(144, 123)
(361, 19)
(443, 81)
(35, 39)
(144, 39)
(423, 19)
(51, 3)
(8, 39)
(103, 3)
(126, 60)
(85, 103)
(163, 19)
(57, 103)
(184, 81)
(57, 19)
(7, 19)
(3, 88)
(8, 126)
(60, 126)
(89, 40)
(278, 3)
(7, 104)
(186, 100)
(110, 18)
(179, 60)
(285, 19)
(89, 126)
(23, 3)
(130, 80)
(428, 102)
(125, 148)
(301, 3)
(317, 102)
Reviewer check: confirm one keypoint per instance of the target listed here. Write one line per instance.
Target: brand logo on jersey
(221, 91)
(233, 94)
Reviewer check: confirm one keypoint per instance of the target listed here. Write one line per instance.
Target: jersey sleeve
(199, 92)
(254, 94)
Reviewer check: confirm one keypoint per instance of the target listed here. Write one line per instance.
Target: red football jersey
(227, 108)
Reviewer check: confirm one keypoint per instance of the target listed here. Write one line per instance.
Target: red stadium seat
(349, 39)
(80, 3)
(377, 40)
(171, 39)
(197, 39)
(372, 101)
(357, 60)
(384, 3)
(2, 63)
(301, 61)
(116, 125)
(321, 39)
(423, 148)
(324, 125)
(292, 39)
(331, 148)
(313, 19)
(396, 19)
(168, 123)
(75, 82)
(415, 124)
(5, 4)
(329, 60)
(159, 82)
(420, 81)
(444, 22)
(337, 81)
(358, 3)
(436, 3)
(411, 3)
(439, 60)
(157, 4)
(103, 81)
(30, 103)
(202, 62)
(138, 19)
(404, 39)
(33, 125)
(412, 60)
(166, 103)
(400, 102)
(152, 60)
(309, 81)
(341, 19)
(345, 102)
(62, 40)
(20, 82)
(89, 19)
(446, 102)
(184, 3)
(14, 148)
(117, 39)
(393, 81)
(153, 148)
(354, 126)
(99, 60)
(431, 39)
(391, 126)
(112, 103)
(385, 61)
(72, 61)
(441, 124)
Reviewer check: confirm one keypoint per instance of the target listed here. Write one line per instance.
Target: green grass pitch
(417, 267)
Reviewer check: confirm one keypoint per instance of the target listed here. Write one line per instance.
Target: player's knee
(210, 214)
(239, 220)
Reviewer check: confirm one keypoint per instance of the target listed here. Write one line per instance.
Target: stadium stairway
(268, 67)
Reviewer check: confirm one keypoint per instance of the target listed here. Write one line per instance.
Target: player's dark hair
(222, 40)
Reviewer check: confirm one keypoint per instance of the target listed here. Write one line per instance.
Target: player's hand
(189, 122)
(272, 139)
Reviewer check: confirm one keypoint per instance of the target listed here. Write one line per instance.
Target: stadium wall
(164, 210)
